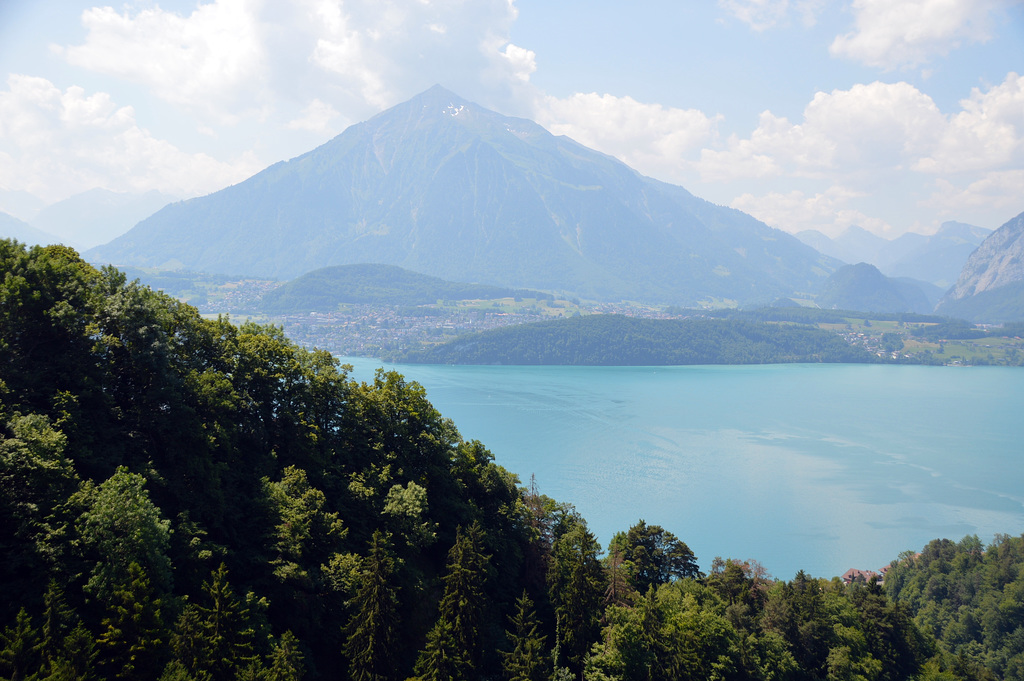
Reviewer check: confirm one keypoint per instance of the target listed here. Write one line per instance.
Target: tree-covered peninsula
(631, 341)
(186, 499)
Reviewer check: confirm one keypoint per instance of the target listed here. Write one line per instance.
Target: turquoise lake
(815, 467)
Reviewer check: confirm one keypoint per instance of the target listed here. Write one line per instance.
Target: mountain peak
(437, 100)
(449, 188)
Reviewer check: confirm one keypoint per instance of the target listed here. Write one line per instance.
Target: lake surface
(816, 467)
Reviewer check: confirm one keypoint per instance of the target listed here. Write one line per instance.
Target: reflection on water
(814, 467)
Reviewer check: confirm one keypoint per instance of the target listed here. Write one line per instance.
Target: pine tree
(130, 642)
(527, 661)
(576, 585)
(80, 652)
(619, 590)
(190, 646)
(443, 659)
(68, 648)
(464, 599)
(370, 631)
(453, 645)
(286, 660)
(226, 627)
(57, 621)
(20, 649)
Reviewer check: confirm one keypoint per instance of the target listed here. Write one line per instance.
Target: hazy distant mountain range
(936, 259)
(13, 228)
(20, 204)
(447, 188)
(98, 215)
(864, 287)
(85, 220)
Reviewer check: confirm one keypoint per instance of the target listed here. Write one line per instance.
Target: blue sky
(894, 115)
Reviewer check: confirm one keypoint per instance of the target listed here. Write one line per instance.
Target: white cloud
(875, 125)
(863, 130)
(986, 134)
(827, 212)
(316, 117)
(56, 143)
(773, 146)
(884, 143)
(211, 62)
(907, 33)
(655, 140)
(384, 52)
(231, 59)
(997, 190)
(764, 14)
(854, 135)
(523, 62)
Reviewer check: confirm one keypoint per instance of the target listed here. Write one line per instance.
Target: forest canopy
(629, 341)
(183, 498)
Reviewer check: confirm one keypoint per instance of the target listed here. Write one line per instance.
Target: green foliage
(20, 656)
(949, 329)
(121, 528)
(576, 587)
(35, 479)
(465, 600)
(370, 633)
(323, 290)
(217, 638)
(140, 442)
(618, 340)
(286, 660)
(653, 556)
(129, 644)
(970, 596)
(528, 659)
(443, 659)
(305, 536)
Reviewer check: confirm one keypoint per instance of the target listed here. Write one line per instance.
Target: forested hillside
(188, 499)
(323, 290)
(970, 597)
(619, 340)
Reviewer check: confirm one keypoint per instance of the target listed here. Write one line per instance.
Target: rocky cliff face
(999, 261)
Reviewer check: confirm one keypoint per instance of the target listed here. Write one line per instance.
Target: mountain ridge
(936, 259)
(864, 287)
(991, 285)
(444, 187)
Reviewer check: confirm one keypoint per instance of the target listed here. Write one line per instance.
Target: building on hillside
(863, 576)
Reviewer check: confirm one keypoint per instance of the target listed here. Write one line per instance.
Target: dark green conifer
(576, 585)
(58, 619)
(370, 631)
(286, 660)
(443, 659)
(527, 661)
(20, 649)
(130, 643)
(453, 645)
(226, 627)
(464, 599)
